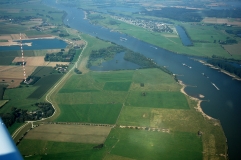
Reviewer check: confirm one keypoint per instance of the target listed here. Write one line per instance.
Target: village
(155, 26)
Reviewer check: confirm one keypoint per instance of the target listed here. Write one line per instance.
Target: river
(223, 104)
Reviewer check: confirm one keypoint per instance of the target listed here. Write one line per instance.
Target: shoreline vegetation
(220, 69)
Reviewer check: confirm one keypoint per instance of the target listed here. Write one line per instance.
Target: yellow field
(70, 133)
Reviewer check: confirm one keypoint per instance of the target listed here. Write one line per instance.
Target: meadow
(18, 97)
(90, 113)
(142, 144)
(170, 100)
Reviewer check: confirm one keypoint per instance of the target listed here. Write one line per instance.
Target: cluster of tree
(105, 53)
(20, 115)
(99, 146)
(225, 66)
(112, 22)
(60, 56)
(50, 17)
(77, 71)
(235, 32)
(180, 14)
(228, 41)
(223, 13)
(95, 17)
(143, 61)
(63, 35)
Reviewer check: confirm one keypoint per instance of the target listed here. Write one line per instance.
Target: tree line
(143, 61)
(225, 66)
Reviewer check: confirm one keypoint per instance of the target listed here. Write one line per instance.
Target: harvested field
(233, 49)
(222, 21)
(11, 82)
(32, 61)
(16, 36)
(15, 72)
(70, 133)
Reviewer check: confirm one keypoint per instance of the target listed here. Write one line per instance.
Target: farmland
(159, 121)
(70, 133)
(44, 84)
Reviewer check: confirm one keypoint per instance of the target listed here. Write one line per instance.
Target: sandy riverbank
(221, 70)
(198, 108)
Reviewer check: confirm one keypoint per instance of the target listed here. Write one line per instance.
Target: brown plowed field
(70, 133)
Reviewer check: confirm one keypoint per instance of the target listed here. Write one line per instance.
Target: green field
(18, 98)
(170, 100)
(58, 150)
(91, 113)
(117, 86)
(141, 144)
(42, 71)
(44, 84)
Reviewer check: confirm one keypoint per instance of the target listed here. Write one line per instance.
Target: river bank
(198, 108)
(221, 70)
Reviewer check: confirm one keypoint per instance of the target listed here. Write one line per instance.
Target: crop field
(233, 49)
(70, 133)
(44, 84)
(171, 100)
(153, 80)
(32, 61)
(117, 86)
(42, 71)
(58, 150)
(91, 113)
(141, 144)
(15, 72)
(113, 76)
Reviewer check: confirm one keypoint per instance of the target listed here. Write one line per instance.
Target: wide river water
(223, 104)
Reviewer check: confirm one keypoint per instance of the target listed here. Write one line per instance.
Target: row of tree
(143, 61)
(20, 115)
(225, 66)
